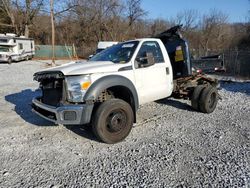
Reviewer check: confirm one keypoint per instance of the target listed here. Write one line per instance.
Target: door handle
(167, 71)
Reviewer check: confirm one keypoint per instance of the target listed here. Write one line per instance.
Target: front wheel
(113, 121)
(9, 60)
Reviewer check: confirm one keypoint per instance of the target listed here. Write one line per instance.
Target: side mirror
(90, 56)
(146, 61)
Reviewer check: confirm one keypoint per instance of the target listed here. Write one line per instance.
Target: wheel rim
(116, 121)
(212, 100)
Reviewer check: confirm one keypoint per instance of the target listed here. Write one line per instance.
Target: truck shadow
(175, 103)
(22, 102)
(83, 131)
(236, 87)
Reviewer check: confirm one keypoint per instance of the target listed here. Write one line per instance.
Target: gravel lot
(170, 146)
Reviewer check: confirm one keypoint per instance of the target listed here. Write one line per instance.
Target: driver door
(152, 81)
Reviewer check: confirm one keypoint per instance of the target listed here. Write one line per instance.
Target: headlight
(77, 87)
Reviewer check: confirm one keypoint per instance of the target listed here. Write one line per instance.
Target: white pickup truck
(107, 90)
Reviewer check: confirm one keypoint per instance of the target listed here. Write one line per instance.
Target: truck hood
(86, 67)
(5, 53)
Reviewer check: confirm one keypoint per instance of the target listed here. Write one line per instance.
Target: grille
(40, 76)
(52, 90)
(51, 84)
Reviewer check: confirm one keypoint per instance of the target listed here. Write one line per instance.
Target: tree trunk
(27, 31)
(53, 30)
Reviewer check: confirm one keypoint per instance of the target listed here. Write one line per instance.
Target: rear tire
(113, 121)
(196, 97)
(208, 99)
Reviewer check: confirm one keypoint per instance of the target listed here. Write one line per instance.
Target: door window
(20, 45)
(151, 47)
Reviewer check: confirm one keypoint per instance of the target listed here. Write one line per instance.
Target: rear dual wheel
(205, 99)
(113, 121)
(196, 97)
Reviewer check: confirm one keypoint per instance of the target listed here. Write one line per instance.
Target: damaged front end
(52, 86)
(53, 104)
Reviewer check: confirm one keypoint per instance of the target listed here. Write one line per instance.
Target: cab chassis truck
(107, 90)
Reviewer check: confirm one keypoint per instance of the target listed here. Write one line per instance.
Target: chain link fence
(237, 63)
(45, 51)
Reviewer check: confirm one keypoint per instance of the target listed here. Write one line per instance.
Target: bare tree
(188, 18)
(134, 11)
(21, 13)
(97, 18)
(5, 25)
(212, 27)
(7, 10)
(84, 23)
(158, 26)
(52, 30)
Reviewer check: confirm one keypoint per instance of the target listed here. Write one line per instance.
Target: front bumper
(66, 115)
(3, 59)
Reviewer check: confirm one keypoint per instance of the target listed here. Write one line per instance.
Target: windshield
(99, 50)
(120, 53)
(4, 49)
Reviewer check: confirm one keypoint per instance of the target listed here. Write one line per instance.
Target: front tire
(113, 121)
(9, 60)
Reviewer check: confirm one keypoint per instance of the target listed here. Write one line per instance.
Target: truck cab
(5, 53)
(107, 90)
(145, 63)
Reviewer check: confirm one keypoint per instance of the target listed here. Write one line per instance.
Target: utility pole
(52, 30)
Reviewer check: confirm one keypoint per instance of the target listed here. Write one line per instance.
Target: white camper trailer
(102, 45)
(13, 48)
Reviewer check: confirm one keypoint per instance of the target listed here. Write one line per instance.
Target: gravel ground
(170, 146)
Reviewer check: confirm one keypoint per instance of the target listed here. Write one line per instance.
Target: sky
(237, 10)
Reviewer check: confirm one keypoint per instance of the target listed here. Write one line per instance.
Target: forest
(84, 23)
